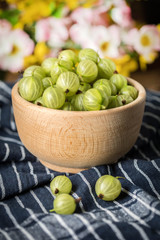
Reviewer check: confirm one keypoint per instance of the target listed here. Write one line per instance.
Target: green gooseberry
(34, 71)
(38, 101)
(30, 88)
(108, 188)
(93, 100)
(60, 184)
(69, 98)
(119, 81)
(68, 55)
(104, 85)
(77, 102)
(129, 90)
(68, 82)
(47, 65)
(124, 99)
(106, 68)
(113, 102)
(83, 87)
(105, 92)
(88, 54)
(56, 71)
(66, 64)
(48, 81)
(53, 97)
(68, 106)
(87, 71)
(113, 88)
(64, 204)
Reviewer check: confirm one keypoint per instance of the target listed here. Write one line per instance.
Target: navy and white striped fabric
(26, 197)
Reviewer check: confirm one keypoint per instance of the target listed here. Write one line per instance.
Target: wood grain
(71, 141)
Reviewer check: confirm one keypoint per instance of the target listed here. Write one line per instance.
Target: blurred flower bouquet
(30, 31)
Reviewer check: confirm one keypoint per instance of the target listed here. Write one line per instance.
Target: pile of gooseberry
(107, 188)
(76, 82)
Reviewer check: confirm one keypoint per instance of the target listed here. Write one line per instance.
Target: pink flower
(122, 15)
(82, 15)
(42, 33)
(93, 16)
(81, 34)
(18, 45)
(52, 30)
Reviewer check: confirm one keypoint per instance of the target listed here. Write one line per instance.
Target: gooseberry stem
(52, 210)
(51, 82)
(120, 177)
(99, 58)
(103, 107)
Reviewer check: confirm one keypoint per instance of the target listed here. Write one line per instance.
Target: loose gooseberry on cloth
(60, 184)
(64, 204)
(108, 188)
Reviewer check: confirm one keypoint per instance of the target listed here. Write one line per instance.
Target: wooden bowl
(71, 141)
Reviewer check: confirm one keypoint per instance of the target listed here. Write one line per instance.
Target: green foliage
(57, 12)
(12, 15)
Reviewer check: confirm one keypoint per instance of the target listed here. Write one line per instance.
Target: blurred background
(128, 32)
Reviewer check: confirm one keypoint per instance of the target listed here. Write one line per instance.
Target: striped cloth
(26, 197)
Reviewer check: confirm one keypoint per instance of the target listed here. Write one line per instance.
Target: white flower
(109, 42)
(146, 40)
(103, 40)
(18, 45)
(5, 28)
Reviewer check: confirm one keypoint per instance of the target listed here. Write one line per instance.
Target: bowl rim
(141, 98)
